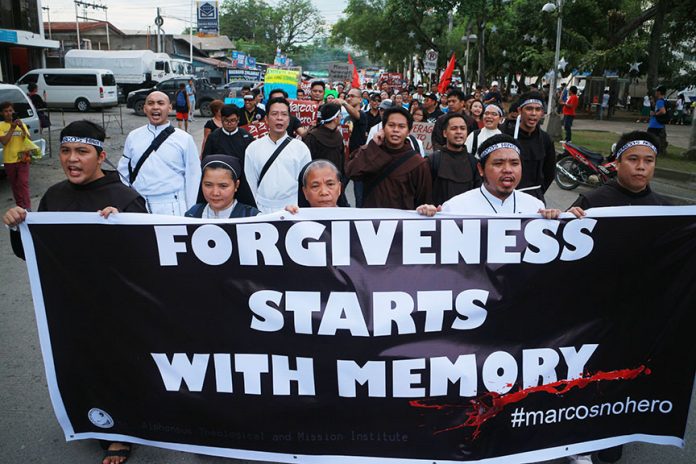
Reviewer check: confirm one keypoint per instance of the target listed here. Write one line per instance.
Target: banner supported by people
(351, 335)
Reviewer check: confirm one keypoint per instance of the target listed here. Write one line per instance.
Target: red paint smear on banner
(487, 406)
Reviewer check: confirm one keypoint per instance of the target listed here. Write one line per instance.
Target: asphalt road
(29, 432)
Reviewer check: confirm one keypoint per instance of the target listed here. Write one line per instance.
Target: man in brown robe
(394, 175)
(453, 169)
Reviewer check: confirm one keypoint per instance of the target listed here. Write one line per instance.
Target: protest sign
(305, 110)
(423, 131)
(354, 335)
(341, 72)
(256, 129)
(286, 79)
(395, 81)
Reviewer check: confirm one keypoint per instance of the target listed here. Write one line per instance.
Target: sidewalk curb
(673, 174)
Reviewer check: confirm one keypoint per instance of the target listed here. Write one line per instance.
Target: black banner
(364, 334)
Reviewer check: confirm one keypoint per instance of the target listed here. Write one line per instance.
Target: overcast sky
(138, 14)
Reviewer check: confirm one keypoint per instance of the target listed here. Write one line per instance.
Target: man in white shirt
(500, 167)
(275, 186)
(169, 176)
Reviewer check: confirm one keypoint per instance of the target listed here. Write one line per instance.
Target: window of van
(29, 79)
(166, 67)
(159, 65)
(19, 102)
(108, 80)
(71, 79)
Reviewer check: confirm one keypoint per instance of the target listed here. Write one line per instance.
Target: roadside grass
(601, 142)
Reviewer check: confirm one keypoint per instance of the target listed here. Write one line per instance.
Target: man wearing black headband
(88, 188)
(538, 152)
(636, 154)
(500, 167)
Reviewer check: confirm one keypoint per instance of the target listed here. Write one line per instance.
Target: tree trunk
(654, 55)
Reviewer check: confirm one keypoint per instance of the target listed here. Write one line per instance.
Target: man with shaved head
(161, 162)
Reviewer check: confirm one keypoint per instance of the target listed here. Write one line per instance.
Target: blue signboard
(207, 15)
(8, 36)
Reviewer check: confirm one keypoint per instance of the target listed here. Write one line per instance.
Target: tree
(259, 29)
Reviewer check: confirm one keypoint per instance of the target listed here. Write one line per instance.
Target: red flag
(356, 78)
(446, 76)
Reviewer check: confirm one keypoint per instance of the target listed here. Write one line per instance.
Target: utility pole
(84, 16)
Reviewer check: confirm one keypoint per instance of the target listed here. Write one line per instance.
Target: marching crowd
(485, 161)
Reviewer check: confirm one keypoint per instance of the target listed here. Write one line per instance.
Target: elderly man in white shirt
(500, 167)
(166, 174)
(273, 179)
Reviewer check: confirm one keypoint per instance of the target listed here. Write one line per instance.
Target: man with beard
(161, 162)
(453, 169)
(393, 174)
(538, 152)
(274, 161)
(500, 167)
(431, 107)
(456, 102)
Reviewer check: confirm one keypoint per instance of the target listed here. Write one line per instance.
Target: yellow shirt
(15, 146)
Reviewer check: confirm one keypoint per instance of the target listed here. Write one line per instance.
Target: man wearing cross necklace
(500, 167)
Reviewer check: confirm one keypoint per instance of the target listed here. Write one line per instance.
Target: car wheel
(205, 109)
(82, 105)
(139, 106)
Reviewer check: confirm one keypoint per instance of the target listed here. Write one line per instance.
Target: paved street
(29, 432)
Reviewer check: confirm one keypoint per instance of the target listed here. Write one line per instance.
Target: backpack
(665, 118)
(181, 99)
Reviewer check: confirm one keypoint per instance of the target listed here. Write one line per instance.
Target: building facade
(23, 45)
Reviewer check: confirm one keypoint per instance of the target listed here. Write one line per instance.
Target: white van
(73, 88)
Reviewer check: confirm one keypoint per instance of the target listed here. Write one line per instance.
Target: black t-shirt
(372, 120)
(295, 124)
(613, 194)
(210, 124)
(358, 137)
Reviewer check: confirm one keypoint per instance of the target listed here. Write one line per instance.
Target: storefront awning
(26, 38)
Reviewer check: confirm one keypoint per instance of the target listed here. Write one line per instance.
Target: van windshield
(108, 80)
(19, 102)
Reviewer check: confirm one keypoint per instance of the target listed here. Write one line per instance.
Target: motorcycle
(578, 165)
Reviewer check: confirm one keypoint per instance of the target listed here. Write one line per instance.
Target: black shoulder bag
(391, 167)
(273, 157)
(159, 140)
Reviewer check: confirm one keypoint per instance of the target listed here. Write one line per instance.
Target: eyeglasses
(491, 113)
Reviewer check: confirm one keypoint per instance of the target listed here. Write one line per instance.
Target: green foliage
(260, 28)
(597, 35)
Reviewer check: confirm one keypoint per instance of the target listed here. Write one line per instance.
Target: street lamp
(468, 38)
(550, 8)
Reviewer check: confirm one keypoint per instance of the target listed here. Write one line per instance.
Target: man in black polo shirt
(431, 108)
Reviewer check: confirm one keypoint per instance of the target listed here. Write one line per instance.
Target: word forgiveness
(412, 242)
(361, 313)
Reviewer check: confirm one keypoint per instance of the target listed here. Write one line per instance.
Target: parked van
(26, 112)
(73, 88)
